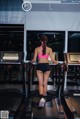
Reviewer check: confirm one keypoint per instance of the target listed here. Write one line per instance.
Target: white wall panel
(53, 20)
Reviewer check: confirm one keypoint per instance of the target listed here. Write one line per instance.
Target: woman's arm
(52, 58)
(35, 56)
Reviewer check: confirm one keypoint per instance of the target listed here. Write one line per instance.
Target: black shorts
(43, 67)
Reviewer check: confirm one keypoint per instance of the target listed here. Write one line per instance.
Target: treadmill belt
(50, 110)
(10, 101)
(76, 102)
(74, 105)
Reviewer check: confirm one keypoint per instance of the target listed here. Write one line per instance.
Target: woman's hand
(56, 62)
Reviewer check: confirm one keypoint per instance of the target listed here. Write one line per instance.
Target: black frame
(73, 41)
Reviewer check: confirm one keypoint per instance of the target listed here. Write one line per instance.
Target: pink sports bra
(43, 56)
(40, 55)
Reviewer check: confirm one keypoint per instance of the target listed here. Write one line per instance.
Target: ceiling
(54, 1)
(55, 5)
(42, 5)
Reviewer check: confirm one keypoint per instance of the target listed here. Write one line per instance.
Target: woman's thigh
(40, 76)
(46, 76)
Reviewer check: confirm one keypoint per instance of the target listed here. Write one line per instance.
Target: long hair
(44, 40)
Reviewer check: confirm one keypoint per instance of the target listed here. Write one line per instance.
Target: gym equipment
(53, 108)
(71, 96)
(11, 99)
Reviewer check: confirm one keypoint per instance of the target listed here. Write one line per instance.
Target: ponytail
(44, 50)
(44, 39)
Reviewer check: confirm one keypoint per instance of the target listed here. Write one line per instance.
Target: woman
(43, 69)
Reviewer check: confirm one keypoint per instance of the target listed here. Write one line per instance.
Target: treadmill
(71, 94)
(53, 108)
(11, 99)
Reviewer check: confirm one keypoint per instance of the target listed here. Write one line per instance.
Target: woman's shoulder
(49, 48)
(37, 48)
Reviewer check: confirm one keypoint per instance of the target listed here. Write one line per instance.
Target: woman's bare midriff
(43, 60)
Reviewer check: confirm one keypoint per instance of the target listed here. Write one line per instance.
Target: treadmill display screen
(10, 56)
(74, 57)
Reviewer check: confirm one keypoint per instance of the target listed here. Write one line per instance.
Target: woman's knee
(41, 84)
(45, 84)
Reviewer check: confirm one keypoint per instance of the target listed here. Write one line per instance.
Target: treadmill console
(11, 56)
(73, 58)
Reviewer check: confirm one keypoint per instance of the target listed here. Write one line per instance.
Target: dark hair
(44, 39)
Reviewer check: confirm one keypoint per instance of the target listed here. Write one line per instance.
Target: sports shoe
(42, 102)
